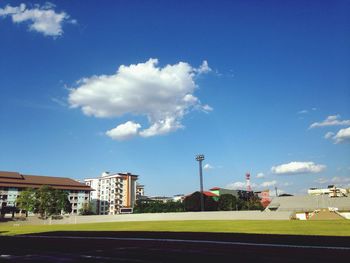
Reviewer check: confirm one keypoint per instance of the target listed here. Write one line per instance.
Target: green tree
(193, 202)
(254, 204)
(151, 206)
(60, 202)
(44, 201)
(227, 202)
(87, 209)
(50, 201)
(26, 200)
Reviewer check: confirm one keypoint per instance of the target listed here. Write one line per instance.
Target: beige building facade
(113, 193)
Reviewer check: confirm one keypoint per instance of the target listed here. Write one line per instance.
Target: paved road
(171, 247)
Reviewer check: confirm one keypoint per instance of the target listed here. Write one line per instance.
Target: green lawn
(325, 228)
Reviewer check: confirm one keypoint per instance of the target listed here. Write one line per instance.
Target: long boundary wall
(222, 215)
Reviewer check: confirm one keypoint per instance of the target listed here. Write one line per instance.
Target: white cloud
(268, 184)
(208, 167)
(42, 19)
(303, 112)
(240, 186)
(124, 131)
(298, 168)
(343, 136)
(204, 68)
(329, 135)
(163, 95)
(255, 187)
(333, 120)
(236, 186)
(260, 175)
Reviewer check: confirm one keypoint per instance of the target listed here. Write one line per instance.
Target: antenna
(247, 177)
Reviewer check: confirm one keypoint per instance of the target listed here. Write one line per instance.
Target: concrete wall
(222, 215)
(345, 214)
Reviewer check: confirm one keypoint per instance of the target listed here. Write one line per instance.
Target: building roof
(209, 194)
(17, 180)
(11, 175)
(308, 203)
(108, 175)
(215, 188)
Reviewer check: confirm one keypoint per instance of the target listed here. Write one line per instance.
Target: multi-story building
(140, 191)
(12, 183)
(114, 193)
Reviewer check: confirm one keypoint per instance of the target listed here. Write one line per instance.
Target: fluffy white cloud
(208, 167)
(124, 131)
(268, 184)
(163, 95)
(298, 168)
(42, 19)
(333, 120)
(260, 175)
(342, 136)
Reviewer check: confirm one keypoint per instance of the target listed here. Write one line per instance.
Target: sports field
(319, 228)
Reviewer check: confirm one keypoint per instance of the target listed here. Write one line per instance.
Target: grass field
(324, 228)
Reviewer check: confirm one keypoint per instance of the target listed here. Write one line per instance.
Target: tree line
(45, 201)
(225, 202)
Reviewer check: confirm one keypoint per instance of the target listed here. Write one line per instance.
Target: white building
(140, 191)
(114, 193)
(331, 191)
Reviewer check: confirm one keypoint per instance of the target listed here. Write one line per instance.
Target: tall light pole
(200, 158)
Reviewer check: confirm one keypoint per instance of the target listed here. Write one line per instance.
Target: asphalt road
(171, 247)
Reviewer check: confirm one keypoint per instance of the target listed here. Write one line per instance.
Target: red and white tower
(247, 177)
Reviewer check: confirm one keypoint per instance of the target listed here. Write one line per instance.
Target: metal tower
(247, 177)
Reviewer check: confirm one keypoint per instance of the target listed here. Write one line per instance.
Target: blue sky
(258, 86)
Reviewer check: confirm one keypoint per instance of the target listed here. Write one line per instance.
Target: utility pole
(200, 158)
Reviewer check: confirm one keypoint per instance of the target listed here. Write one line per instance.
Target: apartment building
(140, 191)
(12, 183)
(114, 193)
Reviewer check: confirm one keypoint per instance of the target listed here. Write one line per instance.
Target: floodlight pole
(200, 158)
